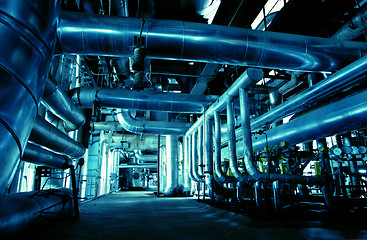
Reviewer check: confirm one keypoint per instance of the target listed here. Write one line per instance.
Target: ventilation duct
(176, 40)
(156, 127)
(29, 27)
(37, 155)
(59, 103)
(145, 100)
(20, 210)
(45, 134)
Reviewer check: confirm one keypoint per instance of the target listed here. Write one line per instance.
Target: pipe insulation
(20, 210)
(28, 37)
(45, 134)
(59, 103)
(155, 127)
(144, 100)
(40, 156)
(336, 118)
(172, 165)
(177, 40)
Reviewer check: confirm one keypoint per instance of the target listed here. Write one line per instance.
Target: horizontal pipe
(144, 126)
(40, 156)
(247, 79)
(144, 100)
(59, 103)
(138, 165)
(147, 158)
(20, 210)
(176, 40)
(336, 118)
(106, 126)
(45, 134)
(342, 79)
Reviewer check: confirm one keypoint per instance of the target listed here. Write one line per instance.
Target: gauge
(347, 150)
(337, 151)
(362, 149)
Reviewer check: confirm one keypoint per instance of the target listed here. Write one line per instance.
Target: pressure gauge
(347, 150)
(362, 149)
(337, 151)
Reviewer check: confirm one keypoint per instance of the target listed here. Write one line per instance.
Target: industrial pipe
(342, 79)
(144, 100)
(28, 37)
(40, 156)
(45, 134)
(194, 158)
(220, 176)
(247, 149)
(247, 79)
(20, 210)
(59, 103)
(144, 126)
(172, 165)
(176, 40)
(354, 27)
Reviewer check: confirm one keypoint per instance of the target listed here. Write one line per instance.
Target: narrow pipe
(200, 148)
(175, 40)
(45, 134)
(186, 167)
(20, 210)
(156, 127)
(190, 157)
(220, 176)
(37, 155)
(208, 151)
(144, 100)
(59, 103)
(247, 150)
(247, 79)
(342, 79)
(28, 33)
(194, 160)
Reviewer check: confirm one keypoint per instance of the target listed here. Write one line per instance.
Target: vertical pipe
(172, 164)
(186, 166)
(200, 151)
(208, 140)
(159, 169)
(194, 160)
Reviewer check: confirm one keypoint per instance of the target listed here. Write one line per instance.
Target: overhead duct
(45, 134)
(176, 40)
(29, 27)
(37, 155)
(144, 126)
(144, 100)
(59, 103)
(342, 79)
(354, 27)
(336, 118)
(20, 210)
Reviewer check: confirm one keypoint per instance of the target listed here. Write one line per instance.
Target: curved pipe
(28, 33)
(45, 134)
(342, 79)
(220, 176)
(37, 155)
(247, 148)
(20, 210)
(144, 100)
(247, 79)
(59, 103)
(156, 127)
(176, 40)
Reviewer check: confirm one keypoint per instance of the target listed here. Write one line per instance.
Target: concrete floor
(141, 215)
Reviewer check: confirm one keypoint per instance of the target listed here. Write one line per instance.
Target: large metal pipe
(45, 134)
(28, 37)
(247, 79)
(40, 156)
(176, 40)
(172, 165)
(336, 118)
(342, 79)
(144, 126)
(354, 27)
(59, 103)
(220, 176)
(208, 155)
(20, 210)
(144, 100)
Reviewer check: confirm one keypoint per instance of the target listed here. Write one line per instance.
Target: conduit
(40, 156)
(156, 127)
(29, 27)
(45, 134)
(59, 103)
(176, 40)
(20, 210)
(144, 100)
